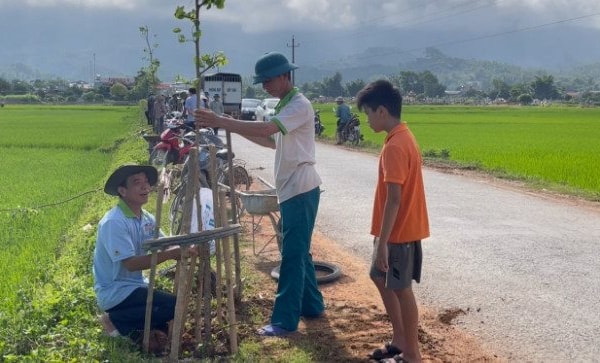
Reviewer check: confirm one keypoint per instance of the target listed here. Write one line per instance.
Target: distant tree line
(423, 86)
(418, 86)
(62, 91)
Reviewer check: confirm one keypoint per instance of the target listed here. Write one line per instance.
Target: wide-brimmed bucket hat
(271, 65)
(124, 171)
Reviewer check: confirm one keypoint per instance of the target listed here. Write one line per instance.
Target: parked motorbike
(176, 141)
(241, 177)
(351, 131)
(319, 128)
(172, 147)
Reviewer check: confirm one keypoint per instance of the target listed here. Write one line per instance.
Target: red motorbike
(177, 140)
(175, 143)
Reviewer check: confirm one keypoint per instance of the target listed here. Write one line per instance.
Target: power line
(446, 13)
(481, 37)
(52, 204)
(443, 13)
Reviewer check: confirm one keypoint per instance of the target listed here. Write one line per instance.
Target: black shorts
(404, 261)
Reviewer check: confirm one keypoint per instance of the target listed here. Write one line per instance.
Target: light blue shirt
(120, 236)
(343, 113)
(190, 104)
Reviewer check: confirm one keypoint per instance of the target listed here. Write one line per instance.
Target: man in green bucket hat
(291, 133)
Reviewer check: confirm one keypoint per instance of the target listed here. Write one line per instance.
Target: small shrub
(435, 154)
(525, 99)
(21, 99)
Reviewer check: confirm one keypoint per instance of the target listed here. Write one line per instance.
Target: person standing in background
(160, 110)
(150, 108)
(190, 104)
(216, 106)
(342, 112)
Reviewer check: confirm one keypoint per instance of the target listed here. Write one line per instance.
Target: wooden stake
(182, 281)
(233, 344)
(236, 241)
(153, 262)
(217, 207)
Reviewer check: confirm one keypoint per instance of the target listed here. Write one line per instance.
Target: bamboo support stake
(236, 240)
(198, 311)
(233, 344)
(218, 206)
(180, 308)
(206, 299)
(219, 278)
(198, 263)
(153, 262)
(201, 272)
(206, 294)
(183, 270)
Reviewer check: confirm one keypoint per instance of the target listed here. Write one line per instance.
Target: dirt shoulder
(355, 321)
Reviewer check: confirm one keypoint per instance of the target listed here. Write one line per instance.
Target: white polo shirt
(295, 154)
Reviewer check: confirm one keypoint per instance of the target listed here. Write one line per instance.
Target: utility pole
(293, 46)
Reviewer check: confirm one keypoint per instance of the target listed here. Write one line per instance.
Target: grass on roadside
(56, 320)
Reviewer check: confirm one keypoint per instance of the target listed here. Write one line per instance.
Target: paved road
(525, 268)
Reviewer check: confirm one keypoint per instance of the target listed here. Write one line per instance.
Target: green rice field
(49, 155)
(549, 146)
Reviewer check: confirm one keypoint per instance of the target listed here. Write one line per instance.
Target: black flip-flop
(388, 351)
(395, 359)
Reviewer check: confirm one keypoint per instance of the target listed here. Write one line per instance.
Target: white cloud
(257, 16)
(584, 13)
(261, 16)
(116, 4)
(564, 8)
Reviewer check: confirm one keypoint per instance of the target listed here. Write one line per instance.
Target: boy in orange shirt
(399, 220)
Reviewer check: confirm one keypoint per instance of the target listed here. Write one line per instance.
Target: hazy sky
(259, 16)
(248, 28)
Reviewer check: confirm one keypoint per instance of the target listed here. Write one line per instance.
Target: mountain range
(454, 56)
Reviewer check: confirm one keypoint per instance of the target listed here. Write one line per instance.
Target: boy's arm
(390, 211)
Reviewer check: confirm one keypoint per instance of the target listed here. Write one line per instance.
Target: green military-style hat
(271, 65)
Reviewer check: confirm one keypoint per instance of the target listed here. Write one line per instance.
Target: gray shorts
(404, 261)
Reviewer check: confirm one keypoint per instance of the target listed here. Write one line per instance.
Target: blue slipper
(273, 331)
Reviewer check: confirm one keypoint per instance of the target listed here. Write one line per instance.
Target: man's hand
(174, 253)
(193, 250)
(206, 118)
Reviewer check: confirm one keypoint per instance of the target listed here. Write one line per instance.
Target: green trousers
(297, 292)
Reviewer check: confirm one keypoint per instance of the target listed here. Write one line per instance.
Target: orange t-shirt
(400, 163)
